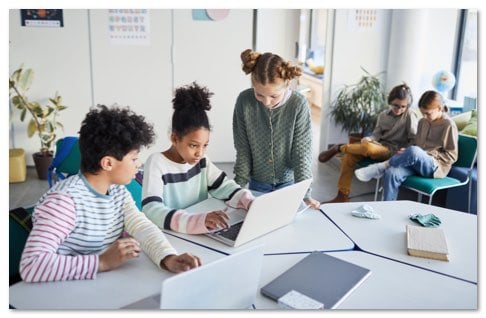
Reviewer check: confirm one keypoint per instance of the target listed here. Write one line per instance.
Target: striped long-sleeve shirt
(73, 224)
(170, 187)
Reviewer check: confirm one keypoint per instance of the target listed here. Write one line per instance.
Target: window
(312, 35)
(466, 69)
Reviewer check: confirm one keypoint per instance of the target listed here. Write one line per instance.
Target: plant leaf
(22, 114)
(25, 79)
(31, 128)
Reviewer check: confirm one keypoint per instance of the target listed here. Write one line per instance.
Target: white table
(386, 236)
(135, 280)
(391, 285)
(310, 231)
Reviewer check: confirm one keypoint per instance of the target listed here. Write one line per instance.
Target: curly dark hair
(111, 131)
(190, 105)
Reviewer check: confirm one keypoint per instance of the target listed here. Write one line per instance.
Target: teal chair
(467, 154)
(20, 224)
(135, 188)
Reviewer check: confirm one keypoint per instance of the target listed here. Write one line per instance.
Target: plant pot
(355, 138)
(42, 162)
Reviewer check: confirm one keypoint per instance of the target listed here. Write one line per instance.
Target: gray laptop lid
(320, 276)
(230, 282)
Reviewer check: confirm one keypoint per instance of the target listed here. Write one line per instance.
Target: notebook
(211, 286)
(267, 213)
(319, 276)
(427, 242)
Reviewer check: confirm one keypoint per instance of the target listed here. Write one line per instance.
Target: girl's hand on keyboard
(216, 220)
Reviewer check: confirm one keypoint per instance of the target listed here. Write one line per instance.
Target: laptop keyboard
(232, 232)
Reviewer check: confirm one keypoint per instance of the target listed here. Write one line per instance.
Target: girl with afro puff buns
(183, 175)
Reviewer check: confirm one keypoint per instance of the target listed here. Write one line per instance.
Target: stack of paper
(427, 242)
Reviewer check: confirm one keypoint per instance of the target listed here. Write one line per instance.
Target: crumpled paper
(366, 211)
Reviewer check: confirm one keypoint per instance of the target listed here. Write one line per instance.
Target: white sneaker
(375, 170)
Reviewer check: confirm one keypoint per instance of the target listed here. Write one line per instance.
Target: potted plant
(357, 106)
(43, 118)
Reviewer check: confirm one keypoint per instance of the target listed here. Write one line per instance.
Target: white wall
(139, 76)
(278, 31)
(440, 39)
(60, 60)
(209, 52)
(352, 49)
(421, 43)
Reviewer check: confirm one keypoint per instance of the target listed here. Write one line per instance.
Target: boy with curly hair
(80, 224)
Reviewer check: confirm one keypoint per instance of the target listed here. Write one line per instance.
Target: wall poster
(41, 18)
(129, 26)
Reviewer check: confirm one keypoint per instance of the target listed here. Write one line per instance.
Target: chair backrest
(135, 188)
(67, 159)
(467, 151)
(20, 225)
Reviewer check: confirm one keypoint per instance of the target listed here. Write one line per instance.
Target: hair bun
(249, 59)
(192, 97)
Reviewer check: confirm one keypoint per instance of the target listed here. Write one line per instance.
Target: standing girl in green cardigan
(272, 127)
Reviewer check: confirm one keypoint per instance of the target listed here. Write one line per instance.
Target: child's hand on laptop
(217, 220)
(312, 203)
(180, 263)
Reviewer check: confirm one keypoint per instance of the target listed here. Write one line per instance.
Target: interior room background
(84, 63)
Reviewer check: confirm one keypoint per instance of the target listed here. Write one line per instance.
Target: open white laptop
(267, 213)
(230, 282)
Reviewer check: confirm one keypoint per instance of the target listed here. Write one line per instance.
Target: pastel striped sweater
(170, 187)
(73, 224)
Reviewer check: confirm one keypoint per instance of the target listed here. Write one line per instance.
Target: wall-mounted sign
(41, 18)
(364, 20)
(129, 26)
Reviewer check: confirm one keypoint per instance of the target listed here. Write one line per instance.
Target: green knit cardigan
(272, 145)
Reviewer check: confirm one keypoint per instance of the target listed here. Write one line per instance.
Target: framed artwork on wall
(41, 18)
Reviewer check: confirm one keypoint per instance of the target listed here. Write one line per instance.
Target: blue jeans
(267, 187)
(413, 161)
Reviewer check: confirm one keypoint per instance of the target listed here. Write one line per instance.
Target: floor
(27, 193)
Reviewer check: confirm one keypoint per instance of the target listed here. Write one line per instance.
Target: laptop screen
(230, 282)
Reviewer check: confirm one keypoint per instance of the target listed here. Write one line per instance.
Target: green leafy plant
(357, 106)
(43, 121)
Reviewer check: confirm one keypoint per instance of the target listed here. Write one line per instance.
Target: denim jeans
(413, 161)
(267, 187)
